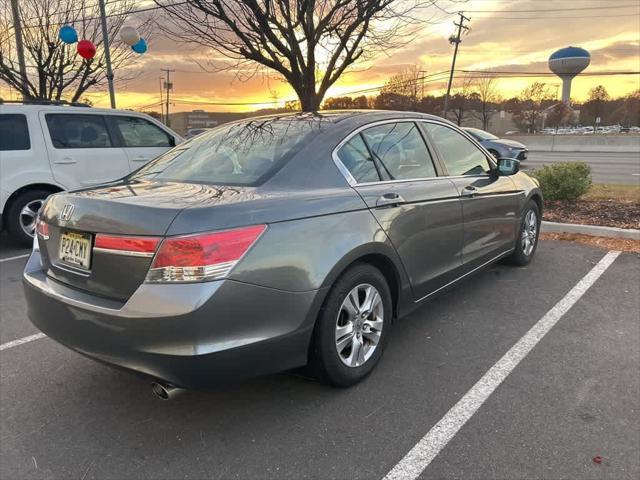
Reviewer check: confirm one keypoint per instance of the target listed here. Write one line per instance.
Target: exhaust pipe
(165, 392)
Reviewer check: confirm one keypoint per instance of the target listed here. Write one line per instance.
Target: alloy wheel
(29, 215)
(359, 325)
(529, 232)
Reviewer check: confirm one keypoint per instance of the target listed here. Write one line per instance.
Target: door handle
(140, 158)
(469, 191)
(389, 200)
(65, 160)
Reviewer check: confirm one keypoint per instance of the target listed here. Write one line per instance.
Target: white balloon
(129, 35)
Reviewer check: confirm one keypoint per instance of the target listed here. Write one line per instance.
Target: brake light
(42, 229)
(206, 256)
(127, 245)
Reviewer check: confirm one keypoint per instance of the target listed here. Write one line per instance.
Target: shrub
(564, 181)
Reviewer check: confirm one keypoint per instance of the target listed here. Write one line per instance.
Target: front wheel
(527, 240)
(353, 327)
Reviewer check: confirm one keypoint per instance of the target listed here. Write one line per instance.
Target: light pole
(107, 53)
(20, 47)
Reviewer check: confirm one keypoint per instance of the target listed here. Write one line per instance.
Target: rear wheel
(527, 240)
(22, 214)
(353, 327)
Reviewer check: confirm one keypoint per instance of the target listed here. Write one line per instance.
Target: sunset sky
(513, 35)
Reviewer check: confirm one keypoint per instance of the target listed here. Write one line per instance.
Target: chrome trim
(352, 181)
(66, 268)
(506, 252)
(127, 253)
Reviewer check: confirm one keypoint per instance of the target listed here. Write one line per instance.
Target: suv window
(78, 131)
(400, 149)
(138, 132)
(355, 157)
(14, 132)
(460, 156)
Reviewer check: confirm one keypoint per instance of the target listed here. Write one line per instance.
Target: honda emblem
(67, 211)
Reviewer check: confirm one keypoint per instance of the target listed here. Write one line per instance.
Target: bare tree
(486, 89)
(461, 100)
(309, 43)
(55, 71)
(533, 101)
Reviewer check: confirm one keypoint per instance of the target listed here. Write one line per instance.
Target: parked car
(271, 243)
(49, 148)
(499, 147)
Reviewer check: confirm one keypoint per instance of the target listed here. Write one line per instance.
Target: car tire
(21, 215)
(528, 232)
(349, 339)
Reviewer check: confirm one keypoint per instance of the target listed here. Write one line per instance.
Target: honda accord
(275, 242)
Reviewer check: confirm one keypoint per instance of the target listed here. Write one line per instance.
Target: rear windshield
(481, 134)
(242, 153)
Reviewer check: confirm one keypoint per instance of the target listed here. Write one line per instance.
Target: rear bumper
(189, 335)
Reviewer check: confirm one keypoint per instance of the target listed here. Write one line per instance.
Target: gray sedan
(275, 242)
(499, 147)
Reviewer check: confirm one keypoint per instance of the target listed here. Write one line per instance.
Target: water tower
(567, 63)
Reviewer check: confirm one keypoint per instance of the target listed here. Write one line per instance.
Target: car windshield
(241, 153)
(481, 134)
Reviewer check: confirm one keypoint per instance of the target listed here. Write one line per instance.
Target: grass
(608, 191)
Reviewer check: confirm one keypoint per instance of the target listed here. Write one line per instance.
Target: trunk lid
(132, 208)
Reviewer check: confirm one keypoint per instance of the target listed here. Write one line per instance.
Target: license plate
(75, 249)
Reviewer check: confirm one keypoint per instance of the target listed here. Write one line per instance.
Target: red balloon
(86, 49)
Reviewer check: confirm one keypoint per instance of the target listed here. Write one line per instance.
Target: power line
(573, 17)
(539, 10)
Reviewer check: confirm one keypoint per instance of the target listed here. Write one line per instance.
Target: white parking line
(423, 453)
(8, 259)
(20, 341)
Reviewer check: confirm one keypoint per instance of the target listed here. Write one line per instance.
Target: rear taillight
(126, 245)
(42, 229)
(206, 256)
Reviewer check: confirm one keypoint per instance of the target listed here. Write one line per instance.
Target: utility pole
(168, 87)
(107, 53)
(162, 117)
(422, 74)
(461, 26)
(20, 48)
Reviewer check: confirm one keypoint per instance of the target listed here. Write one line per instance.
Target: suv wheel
(353, 327)
(22, 214)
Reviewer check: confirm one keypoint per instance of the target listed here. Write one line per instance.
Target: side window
(138, 132)
(459, 155)
(14, 132)
(78, 131)
(400, 150)
(355, 156)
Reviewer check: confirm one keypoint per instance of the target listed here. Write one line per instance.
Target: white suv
(48, 148)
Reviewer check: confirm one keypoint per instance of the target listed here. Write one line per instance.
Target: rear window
(242, 153)
(14, 133)
(78, 131)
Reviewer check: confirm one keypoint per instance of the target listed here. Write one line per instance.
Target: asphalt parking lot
(569, 409)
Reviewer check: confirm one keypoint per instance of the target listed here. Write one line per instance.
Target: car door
(81, 149)
(394, 172)
(141, 139)
(489, 201)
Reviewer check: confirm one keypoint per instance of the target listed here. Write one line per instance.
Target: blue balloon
(68, 34)
(140, 47)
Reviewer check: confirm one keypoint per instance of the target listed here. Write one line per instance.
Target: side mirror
(508, 166)
(172, 141)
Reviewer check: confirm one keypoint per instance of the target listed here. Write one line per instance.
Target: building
(182, 122)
